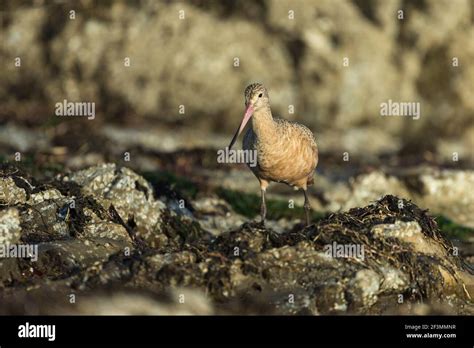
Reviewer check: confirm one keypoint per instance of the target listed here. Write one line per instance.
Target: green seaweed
(452, 230)
(165, 182)
(248, 204)
(30, 164)
(53, 121)
(51, 169)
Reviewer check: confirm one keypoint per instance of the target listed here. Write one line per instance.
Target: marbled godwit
(286, 151)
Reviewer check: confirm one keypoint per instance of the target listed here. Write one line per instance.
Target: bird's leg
(307, 207)
(263, 207)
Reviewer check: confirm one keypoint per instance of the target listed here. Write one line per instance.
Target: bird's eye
(260, 95)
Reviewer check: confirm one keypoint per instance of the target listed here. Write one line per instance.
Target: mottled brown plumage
(286, 151)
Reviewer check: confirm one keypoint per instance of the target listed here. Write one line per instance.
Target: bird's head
(256, 98)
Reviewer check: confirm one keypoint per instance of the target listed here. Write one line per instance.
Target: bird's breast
(282, 158)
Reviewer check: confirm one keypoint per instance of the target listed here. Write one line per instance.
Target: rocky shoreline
(103, 233)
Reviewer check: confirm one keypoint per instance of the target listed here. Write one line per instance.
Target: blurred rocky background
(205, 60)
(167, 79)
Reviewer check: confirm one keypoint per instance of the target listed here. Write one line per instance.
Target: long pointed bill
(248, 114)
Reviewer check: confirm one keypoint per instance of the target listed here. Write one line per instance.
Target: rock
(189, 62)
(160, 72)
(10, 230)
(21, 139)
(216, 216)
(332, 283)
(70, 220)
(365, 287)
(400, 229)
(22, 39)
(164, 140)
(411, 58)
(394, 280)
(446, 192)
(369, 187)
(353, 142)
(46, 195)
(129, 193)
(443, 191)
(117, 236)
(329, 32)
(10, 193)
(47, 220)
(195, 303)
(44, 301)
(60, 259)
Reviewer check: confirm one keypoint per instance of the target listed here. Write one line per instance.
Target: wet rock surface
(106, 237)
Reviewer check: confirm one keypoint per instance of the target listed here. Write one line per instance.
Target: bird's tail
(310, 181)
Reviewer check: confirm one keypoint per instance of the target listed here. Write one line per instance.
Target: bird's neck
(263, 124)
